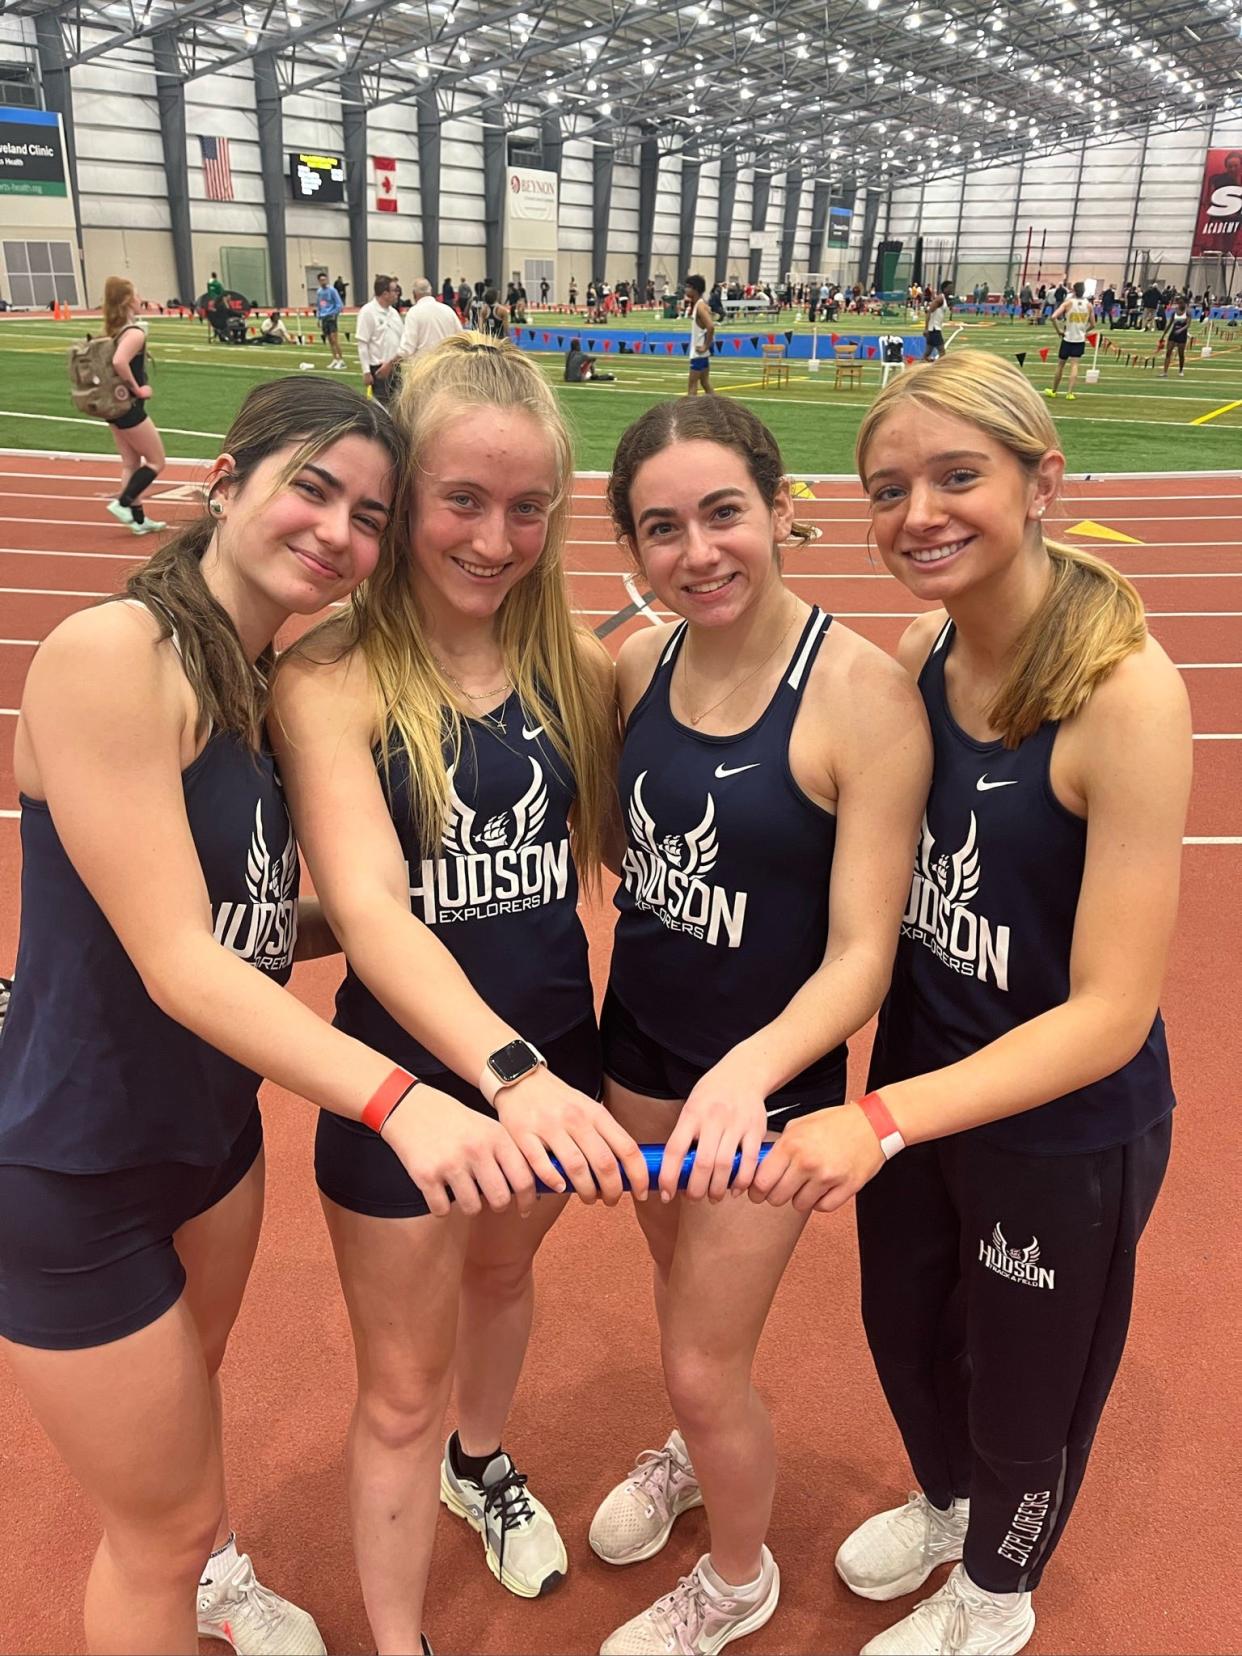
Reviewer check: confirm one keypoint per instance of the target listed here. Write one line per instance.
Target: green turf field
(1131, 421)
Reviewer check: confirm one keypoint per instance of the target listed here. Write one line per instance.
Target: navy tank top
(500, 890)
(723, 900)
(93, 1076)
(986, 936)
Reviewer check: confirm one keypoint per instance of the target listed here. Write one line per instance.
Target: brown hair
(1091, 617)
(697, 419)
(306, 413)
(539, 642)
(118, 297)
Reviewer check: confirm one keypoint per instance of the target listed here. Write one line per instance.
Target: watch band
(882, 1124)
(492, 1084)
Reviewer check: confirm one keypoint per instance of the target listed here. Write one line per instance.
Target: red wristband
(882, 1124)
(384, 1100)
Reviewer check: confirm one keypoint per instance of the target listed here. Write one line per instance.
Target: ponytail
(1090, 619)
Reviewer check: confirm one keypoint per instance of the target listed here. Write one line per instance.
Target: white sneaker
(122, 514)
(896, 1551)
(148, 526)
(699, 1617)
(635, 1519)
(237, 1608)
(523, 1546)
(960, 1620)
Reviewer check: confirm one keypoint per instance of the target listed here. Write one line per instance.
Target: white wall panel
(703, 257)
(666, 225)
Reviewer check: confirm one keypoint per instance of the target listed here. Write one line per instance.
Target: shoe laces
(507, 1501)
(680, 1615)
(653, 1477)
(242, 1587)
(915, 1520)
(962, 1599)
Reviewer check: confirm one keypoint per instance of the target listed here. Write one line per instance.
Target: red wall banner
(1218, 226)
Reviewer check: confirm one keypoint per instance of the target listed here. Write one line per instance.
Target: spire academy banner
(1218, 225)
(32, 153)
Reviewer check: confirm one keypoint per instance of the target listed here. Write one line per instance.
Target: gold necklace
(470, 695)
(685, 673)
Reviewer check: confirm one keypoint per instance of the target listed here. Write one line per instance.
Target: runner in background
(1176, 333)
(1076, 312)
(138, 443)
(702, 333)
(328, 307)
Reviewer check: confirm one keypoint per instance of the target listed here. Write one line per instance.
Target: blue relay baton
(653, 1155)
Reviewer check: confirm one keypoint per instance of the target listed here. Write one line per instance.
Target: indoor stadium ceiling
(881, 90)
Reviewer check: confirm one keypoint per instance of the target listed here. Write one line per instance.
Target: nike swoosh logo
(735, 770)
(531, 734)
(984, 786)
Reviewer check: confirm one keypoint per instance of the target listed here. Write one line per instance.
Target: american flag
(217, 178)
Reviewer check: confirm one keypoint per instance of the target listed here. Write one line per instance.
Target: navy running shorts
(358, 1170)
(1071, 348)
(87, 1258)
(636, 1061)
(327, 325)
(133, 416)
(700, 365)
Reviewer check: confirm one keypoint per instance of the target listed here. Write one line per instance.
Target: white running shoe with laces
(896, 1551)
(700, 1616)
(960, 1620)
(148, 526)
(520, 1538)
(237, 1608)
(635, 1519)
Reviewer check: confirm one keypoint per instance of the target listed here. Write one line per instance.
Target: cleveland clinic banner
(32, 153)
(1218, 225)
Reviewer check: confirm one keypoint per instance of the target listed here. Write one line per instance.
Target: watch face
(512, 1061)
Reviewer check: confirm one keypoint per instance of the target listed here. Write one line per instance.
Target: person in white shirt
(427, 321)
(377, 333)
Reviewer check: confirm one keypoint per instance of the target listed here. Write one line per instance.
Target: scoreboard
(318, 178)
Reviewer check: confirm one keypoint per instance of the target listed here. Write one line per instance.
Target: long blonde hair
(118, 297)
(538, 638)
(1090, 617)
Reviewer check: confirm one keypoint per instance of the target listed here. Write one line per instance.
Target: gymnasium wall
(1130, 196)
(1103, 209)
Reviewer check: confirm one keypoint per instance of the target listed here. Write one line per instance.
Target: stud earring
(215, 508)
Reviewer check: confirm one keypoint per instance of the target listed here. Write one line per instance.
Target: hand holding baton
(653, 1155)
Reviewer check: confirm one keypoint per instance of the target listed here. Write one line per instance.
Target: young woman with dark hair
(773, 768)
(160, 920)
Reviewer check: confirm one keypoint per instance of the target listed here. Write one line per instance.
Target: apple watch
(507, 1065)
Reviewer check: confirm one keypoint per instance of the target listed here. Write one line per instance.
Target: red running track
(1140, 1569)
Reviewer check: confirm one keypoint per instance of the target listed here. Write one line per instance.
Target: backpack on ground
(94, 384)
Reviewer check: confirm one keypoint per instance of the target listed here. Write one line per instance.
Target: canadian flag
(385, 182)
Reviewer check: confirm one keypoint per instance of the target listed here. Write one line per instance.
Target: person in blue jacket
(328, 307)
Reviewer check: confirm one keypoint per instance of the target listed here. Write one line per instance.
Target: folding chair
(775, 366)
(849, 369)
